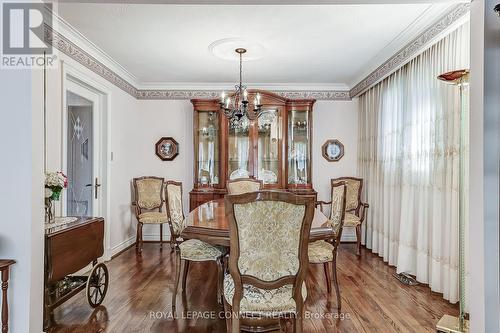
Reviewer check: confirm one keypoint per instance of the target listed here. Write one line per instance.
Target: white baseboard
(123, 245)
(156, 237)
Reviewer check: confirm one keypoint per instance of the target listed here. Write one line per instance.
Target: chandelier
(236, 107)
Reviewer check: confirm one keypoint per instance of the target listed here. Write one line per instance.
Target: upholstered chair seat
(263, 302)
(351, 220)
(197, 250)
(320, 252)
(153, 218)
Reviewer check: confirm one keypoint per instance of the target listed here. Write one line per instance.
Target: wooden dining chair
(269, 235)
(354, 207)
(325, 252)
(191, 249)
(148, 205)
(175, 210)
(243, 185)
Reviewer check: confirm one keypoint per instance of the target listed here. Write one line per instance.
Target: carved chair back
(175, 210)
(148, 193)
(269, 234)
(243, 185)
(353, 192)
(337, 208)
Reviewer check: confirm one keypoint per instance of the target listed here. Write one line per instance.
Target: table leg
(5, 305)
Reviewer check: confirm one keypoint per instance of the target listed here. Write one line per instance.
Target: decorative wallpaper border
(76, 53)
(414, 47)
(338, 95)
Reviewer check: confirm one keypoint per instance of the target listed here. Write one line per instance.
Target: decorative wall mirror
(167, 149)
(333, 150)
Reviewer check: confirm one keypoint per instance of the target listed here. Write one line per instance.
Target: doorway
(84, 151)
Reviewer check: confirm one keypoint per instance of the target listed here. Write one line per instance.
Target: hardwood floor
(139, 299)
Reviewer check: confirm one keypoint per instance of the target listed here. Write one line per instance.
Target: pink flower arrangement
(55, 181)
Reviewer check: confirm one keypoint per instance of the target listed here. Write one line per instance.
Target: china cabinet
(275, 148)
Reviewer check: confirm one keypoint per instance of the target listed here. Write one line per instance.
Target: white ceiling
(310, 45)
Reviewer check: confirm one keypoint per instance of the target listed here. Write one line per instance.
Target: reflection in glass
(298, 147)
(268, 134)
(238, 149)
(80, 152)
(208, 148)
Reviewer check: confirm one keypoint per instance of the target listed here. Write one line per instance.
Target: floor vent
(406, 279)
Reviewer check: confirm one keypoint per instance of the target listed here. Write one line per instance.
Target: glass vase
(49, 210)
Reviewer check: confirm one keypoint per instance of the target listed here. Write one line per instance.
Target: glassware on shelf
(238, 145)
(207, 152)
(299, 155)
(268, 165)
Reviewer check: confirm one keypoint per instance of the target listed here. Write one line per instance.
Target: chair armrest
(321, 203)
(362, 213)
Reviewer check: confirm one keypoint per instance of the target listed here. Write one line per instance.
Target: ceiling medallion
(236, 106)
(224, 48)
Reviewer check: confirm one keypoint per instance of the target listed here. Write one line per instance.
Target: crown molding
(412, 49)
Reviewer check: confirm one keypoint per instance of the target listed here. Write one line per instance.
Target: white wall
(335, 120)
(135, 133)
(21, 198)
(484, 168)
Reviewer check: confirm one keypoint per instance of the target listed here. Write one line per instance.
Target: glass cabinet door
(207, 157)
(299, 155)
(238, 149)
(268, 162)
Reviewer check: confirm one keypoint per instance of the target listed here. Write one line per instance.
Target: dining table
(209, 223)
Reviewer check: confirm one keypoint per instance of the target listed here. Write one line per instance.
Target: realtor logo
(23, 44)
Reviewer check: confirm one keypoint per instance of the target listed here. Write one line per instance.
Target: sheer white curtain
(409, 132)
